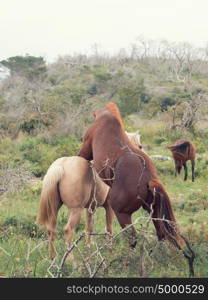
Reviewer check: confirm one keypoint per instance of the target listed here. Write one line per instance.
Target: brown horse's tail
(163, 216)
(50, 199)
(165, 223)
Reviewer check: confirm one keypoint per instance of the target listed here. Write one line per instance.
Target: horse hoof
(52, 256)
(133, 244)
(90, 244)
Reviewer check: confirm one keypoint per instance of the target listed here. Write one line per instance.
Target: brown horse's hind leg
(125, 220)
(185, 171)
(89, 227)
(75, 215)
(192, 169)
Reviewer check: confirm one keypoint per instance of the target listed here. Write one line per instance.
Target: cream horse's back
(73, 182)
(81, 183)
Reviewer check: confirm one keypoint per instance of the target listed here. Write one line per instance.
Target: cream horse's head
(135, 138)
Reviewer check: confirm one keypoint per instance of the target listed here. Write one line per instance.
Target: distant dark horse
(182, 151)
(132, 176)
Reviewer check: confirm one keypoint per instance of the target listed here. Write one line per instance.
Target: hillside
(45, 110)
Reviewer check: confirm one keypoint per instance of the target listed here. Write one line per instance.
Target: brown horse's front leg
(185, 171)
(124, 220)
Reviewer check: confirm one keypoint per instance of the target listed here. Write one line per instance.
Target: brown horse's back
(112, 143)
(183, 148)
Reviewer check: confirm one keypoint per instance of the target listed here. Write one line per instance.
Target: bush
(132, 96)
(30, 143)
(41, 152)
(165, 102)
(13, 179)
(25, 226)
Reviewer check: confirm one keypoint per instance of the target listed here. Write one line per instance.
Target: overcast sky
(57, 27)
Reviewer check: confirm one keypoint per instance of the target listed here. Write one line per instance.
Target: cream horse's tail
(50, 199)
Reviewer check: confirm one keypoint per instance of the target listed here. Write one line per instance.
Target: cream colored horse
(73, 182)
(135, 138)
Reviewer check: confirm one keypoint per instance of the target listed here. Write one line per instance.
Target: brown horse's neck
(113, 109)
(118, 142)
(111, 125)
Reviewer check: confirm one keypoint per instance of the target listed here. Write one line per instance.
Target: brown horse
(182, 151)
(131, 175)
(72, 181)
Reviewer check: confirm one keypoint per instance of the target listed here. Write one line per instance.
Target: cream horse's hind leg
(109, 223)
(51, 230)
(52, 235)
(74, 219)
(109, 220)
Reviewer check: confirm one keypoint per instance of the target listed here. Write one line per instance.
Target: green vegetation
(44, 112)
(23, 246)
(28, 66)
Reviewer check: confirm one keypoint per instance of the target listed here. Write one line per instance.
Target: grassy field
(23, 245)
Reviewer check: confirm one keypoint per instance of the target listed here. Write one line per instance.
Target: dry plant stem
(97, 252)
(7, 253)
(67, 253)
(98, 267)
(86, 264)
(52, 265)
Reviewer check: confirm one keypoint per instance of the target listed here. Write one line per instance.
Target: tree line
(150, 79)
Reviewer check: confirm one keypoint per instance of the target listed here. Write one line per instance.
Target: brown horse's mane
(113, 109)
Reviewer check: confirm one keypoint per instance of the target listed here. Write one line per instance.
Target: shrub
(165, 102)
(132, 96)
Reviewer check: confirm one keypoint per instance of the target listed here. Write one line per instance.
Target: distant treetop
(28, 66)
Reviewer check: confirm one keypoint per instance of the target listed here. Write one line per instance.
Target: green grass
(23, 245)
